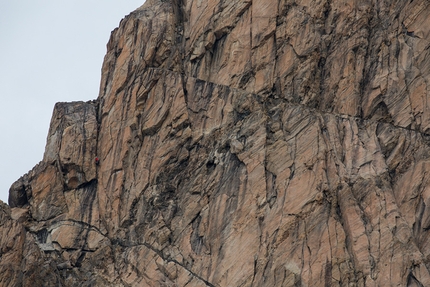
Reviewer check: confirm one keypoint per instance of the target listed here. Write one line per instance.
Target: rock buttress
(250, 143)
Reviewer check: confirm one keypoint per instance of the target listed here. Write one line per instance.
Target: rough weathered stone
(241, 143)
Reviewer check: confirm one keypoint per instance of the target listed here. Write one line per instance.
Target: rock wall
(241, 143)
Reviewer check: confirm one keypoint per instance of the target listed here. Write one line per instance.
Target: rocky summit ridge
(240, 143)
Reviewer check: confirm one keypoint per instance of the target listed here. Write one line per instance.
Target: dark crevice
(413, 281)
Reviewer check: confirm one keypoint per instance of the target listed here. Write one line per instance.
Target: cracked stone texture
(241, 143)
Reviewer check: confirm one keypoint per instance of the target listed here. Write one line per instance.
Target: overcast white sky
(50, 51)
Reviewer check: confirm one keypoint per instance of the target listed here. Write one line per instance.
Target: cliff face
(241, 143)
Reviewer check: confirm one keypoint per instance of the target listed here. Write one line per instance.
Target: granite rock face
(241, 143)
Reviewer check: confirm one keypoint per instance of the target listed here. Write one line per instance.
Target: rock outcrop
(241, 143)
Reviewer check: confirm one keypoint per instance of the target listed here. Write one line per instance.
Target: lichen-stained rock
(241, 143)
(11, 240)
(22, 262)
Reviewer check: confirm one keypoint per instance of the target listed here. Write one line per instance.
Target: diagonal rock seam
(357, 118)
(253, 143)
(160, 254)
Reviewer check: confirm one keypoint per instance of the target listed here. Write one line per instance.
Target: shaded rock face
(250, 143)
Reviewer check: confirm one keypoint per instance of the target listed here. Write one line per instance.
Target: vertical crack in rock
(253, 143)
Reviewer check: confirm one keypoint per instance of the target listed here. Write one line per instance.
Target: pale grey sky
(50, 51)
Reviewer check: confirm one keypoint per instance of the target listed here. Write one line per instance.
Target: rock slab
(241, 143)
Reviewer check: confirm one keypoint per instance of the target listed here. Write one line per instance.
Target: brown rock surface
(241, 143)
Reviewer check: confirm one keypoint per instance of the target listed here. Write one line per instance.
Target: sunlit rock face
(240, 143)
